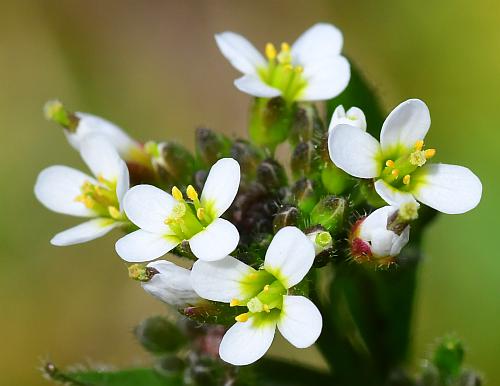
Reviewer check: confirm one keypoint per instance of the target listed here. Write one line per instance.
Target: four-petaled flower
(265, 295)
(399, 162)
(69, 191)
(311, 69)
(166, 220)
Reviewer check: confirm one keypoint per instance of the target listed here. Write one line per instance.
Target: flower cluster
(253, 233)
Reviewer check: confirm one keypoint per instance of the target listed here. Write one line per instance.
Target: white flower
(69, 191)
(311, 69)
(373, 239)
(166, 220)
(353, 117)
(265, 293)
(171, 284)
(399, 163)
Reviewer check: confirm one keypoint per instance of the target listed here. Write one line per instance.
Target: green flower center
(101, 198)
(280, 72)
(189, 217)
(401, 164)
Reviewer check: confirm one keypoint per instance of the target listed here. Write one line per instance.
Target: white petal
(392, 195)
(122, 183)
(101, 157)
(354, 151)
(171, 285)
(57, 188)
(221, 186)
(400, 241)
(144, 246)
(317, 43)
(90, 124)
(216, 241)
(253, 85)
(289, 256)
(240, 52)
(300, 322)
(449, 189)
(326, 79)
(148, 207)
(376, 220)
(86, 231)
(381, 242)
(354, 117)
(405, 125)
(245, 343)
(221, 280)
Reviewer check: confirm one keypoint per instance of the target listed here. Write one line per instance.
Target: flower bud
(171, 284)
(210, 312)
(170, 366)
(159, 336)
(173, 162)
(286, 216)
(304, 159)
(271, 174)
(307, 124)
(270, 121)
(248, 156)
(305, 194)
(330, 213)
(211, 146)
(352, 117)
(335, 180)
(448, 357)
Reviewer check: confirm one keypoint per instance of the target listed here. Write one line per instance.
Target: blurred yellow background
(153, 68)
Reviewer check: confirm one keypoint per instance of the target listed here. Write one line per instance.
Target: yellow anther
(419, 145)
(177, 193)
(270, 51)
(200, 213)
(234, 303)
(266, 287)
(191, 193)
(266, 308)
(299, 69)
(114, 212)
(285, 47)
(395, 172)
(406, 179)
(389, 163)
(429, 153)
(253, 276)
(242, 317)
(288, 67)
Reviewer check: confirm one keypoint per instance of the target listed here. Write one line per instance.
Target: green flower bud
(170, 366)
(305, 194)
(306, 125)
(55, 111)
(270, 121)
(173, 162)
(211, 146)
(286, 216)
(330, 213)
(367, 191)
(159, 336)
(304, 159)
(248, 156)
(448, 357)
(140, 272)
(271, 174)
(335, 180)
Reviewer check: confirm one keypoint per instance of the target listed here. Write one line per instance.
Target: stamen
(270, 51)
(299, 69)
(406, 179)
(177, 193)
(200, 213)
(419, 145)
(234, 303)
(389, 163)
(288, 67)
(395, 173)
(285, 47)
(253, 276)
(114, 212)
(429, 153)
(266, 308)
(266, 287)
(191, 193)
(242, 317)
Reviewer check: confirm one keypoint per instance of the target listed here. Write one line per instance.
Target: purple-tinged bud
(248, 156)
(159, 335)
(271, 174)
(306, 125)
(304, 159)
(173, 162)
(211, 146)
(305, 194)
(287, 216)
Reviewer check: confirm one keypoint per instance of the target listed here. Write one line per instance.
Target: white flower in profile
(311, 69)
(352, 117)
(166, 220)
(69, 191)
(381, 236)
(171, 284)
(399, 163)
(265, 293)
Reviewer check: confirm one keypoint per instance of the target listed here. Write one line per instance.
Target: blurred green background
(153, 67)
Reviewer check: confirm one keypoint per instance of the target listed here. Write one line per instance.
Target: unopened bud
(159, 336)
(305, 194)
(172, 162)
(406, 213)
(330, 213)
(303, 160)
(306, 125)
(270, 121)
(212, 313)
(248, 156)
(170, 366)
(448, 357)
(286, 216)
(335, 180)
(55, 111)
(141, 272)
(211, 146)
(271, 174)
